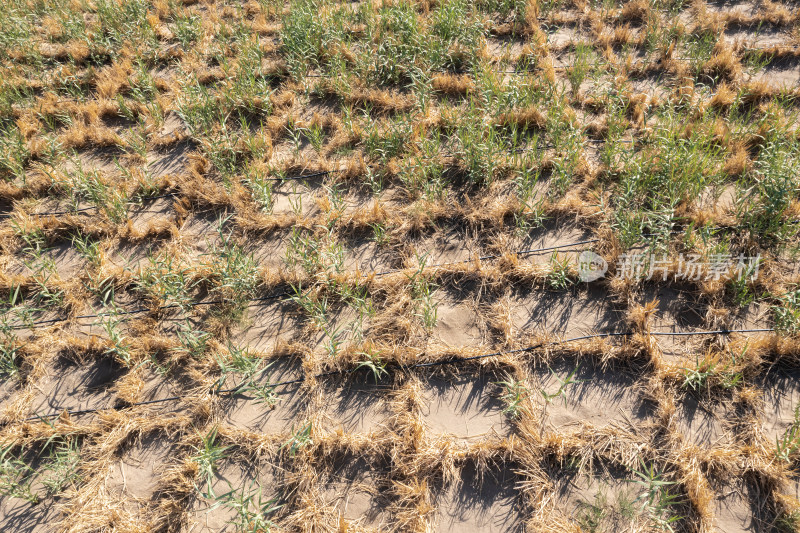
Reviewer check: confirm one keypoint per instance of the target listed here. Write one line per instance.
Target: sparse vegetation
(374, 365)
(710, 372)
(786, 445)
(207, 456)
(563, 385)
(515, 394)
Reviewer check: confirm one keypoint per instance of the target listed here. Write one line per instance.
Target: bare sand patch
(172, 124)
(315, 105)
(201, 226)
(68, 262)
(552, 234)
(355, 489)
(102, 160)
(368, 257)
(171, 161)
(76, 386)
(8, 388)
(295, 198)
(720, 199)
(61, 258)
(354, 204)
(269, 251)
(465, 407)
(477, 500)
(755, 315)
(157, 386)
(765, 38)
(596, 396)
(732, 510)
(135, 476)
(653, 87)
(199, 234)
(779, 76)
(735, 7)
(197, 239)
(23, 516)
(703, 424)
(504, 49)
(555, 240)
(446, 248)
(358, 405)
(678, 311)
(246, 411)
(678, 308)
(131, 256)
(562, 36)
(153, 215)
(566, 314)
(264, 327)
(458, 324)
(780, 401)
